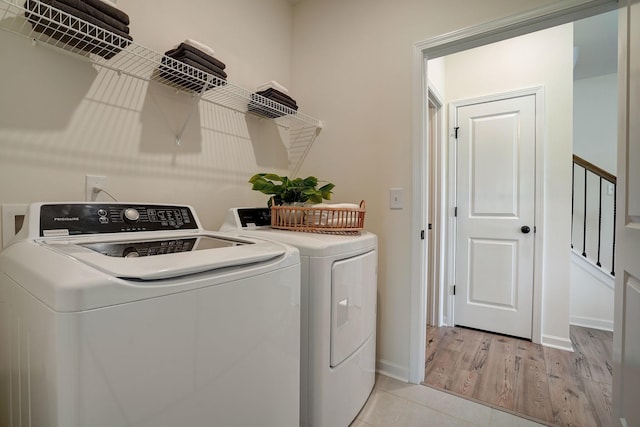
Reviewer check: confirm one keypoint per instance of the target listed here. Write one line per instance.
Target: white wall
(437, 75)
(61, 118)
(352, 63)
(595, 109)
(542, 58)
(595, 103)
(592, 295)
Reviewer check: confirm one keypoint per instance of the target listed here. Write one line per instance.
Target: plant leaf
(327, 187)
(264, 187)
(289, 190)
(274, 177)
(256, 177)
(310, 181)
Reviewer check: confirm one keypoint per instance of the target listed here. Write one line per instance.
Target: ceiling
(595, 41)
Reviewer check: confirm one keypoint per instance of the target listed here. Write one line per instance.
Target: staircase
(593, 243)
(593, 210)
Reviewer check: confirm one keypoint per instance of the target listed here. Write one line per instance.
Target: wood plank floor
(554, 387)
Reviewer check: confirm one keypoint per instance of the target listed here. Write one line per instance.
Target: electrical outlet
(13, 216)
(91, 182)
(395, 198)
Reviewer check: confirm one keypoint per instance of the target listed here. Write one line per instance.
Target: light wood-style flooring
(551, 386)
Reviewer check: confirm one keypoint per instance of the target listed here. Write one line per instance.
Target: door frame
(627, 285)
(436, 187)
(557, 13)
(538, 226)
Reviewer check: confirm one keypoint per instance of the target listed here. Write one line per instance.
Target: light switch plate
(396, 198)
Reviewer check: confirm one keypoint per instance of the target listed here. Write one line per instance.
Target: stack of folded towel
(196, 55)
(275, 92)
(334, 215)
(102, 14)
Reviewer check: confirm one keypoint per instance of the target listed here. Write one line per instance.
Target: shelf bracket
(193, 108)
(186, 121)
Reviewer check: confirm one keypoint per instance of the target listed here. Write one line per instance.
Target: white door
(495, 215)
(626, 342)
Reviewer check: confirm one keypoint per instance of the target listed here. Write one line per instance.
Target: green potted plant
(289, 191)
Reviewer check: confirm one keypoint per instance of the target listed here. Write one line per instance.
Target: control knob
(130, 252)
(131, 215)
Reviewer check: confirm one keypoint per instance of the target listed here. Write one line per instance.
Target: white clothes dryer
(338, 315)
(115, 314)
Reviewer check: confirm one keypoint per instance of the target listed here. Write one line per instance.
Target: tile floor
(394, 403)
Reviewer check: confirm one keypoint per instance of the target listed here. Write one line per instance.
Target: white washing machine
(133, 315)
(338, 316)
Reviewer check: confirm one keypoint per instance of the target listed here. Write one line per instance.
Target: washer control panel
(72, 219)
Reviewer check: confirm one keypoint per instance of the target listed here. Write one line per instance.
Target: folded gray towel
(183, 47)
(211, 70)
(278, 96)
(259, 109)
(188, 78)
(187, 54)
(87, 44)
(90, 40)
(109, 10)
(85, 7)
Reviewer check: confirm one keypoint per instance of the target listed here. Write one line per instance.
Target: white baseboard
(393, 370)
(557, 342)
(593, 323)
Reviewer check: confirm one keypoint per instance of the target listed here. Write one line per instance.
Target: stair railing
(585, 168)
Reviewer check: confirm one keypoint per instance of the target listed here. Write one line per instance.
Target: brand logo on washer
(67, 218)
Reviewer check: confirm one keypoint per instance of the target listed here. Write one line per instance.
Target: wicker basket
(322, 219)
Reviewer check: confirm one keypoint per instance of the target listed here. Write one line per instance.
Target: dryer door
(353, 304)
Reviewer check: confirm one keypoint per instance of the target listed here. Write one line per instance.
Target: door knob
(525, 229)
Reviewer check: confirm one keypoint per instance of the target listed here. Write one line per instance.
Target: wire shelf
(46, 24)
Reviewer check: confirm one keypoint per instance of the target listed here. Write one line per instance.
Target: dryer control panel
(73, 219)
(254, 217)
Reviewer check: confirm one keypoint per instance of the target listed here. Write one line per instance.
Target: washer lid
(166, 257)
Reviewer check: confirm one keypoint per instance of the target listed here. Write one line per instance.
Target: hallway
(551, 386)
